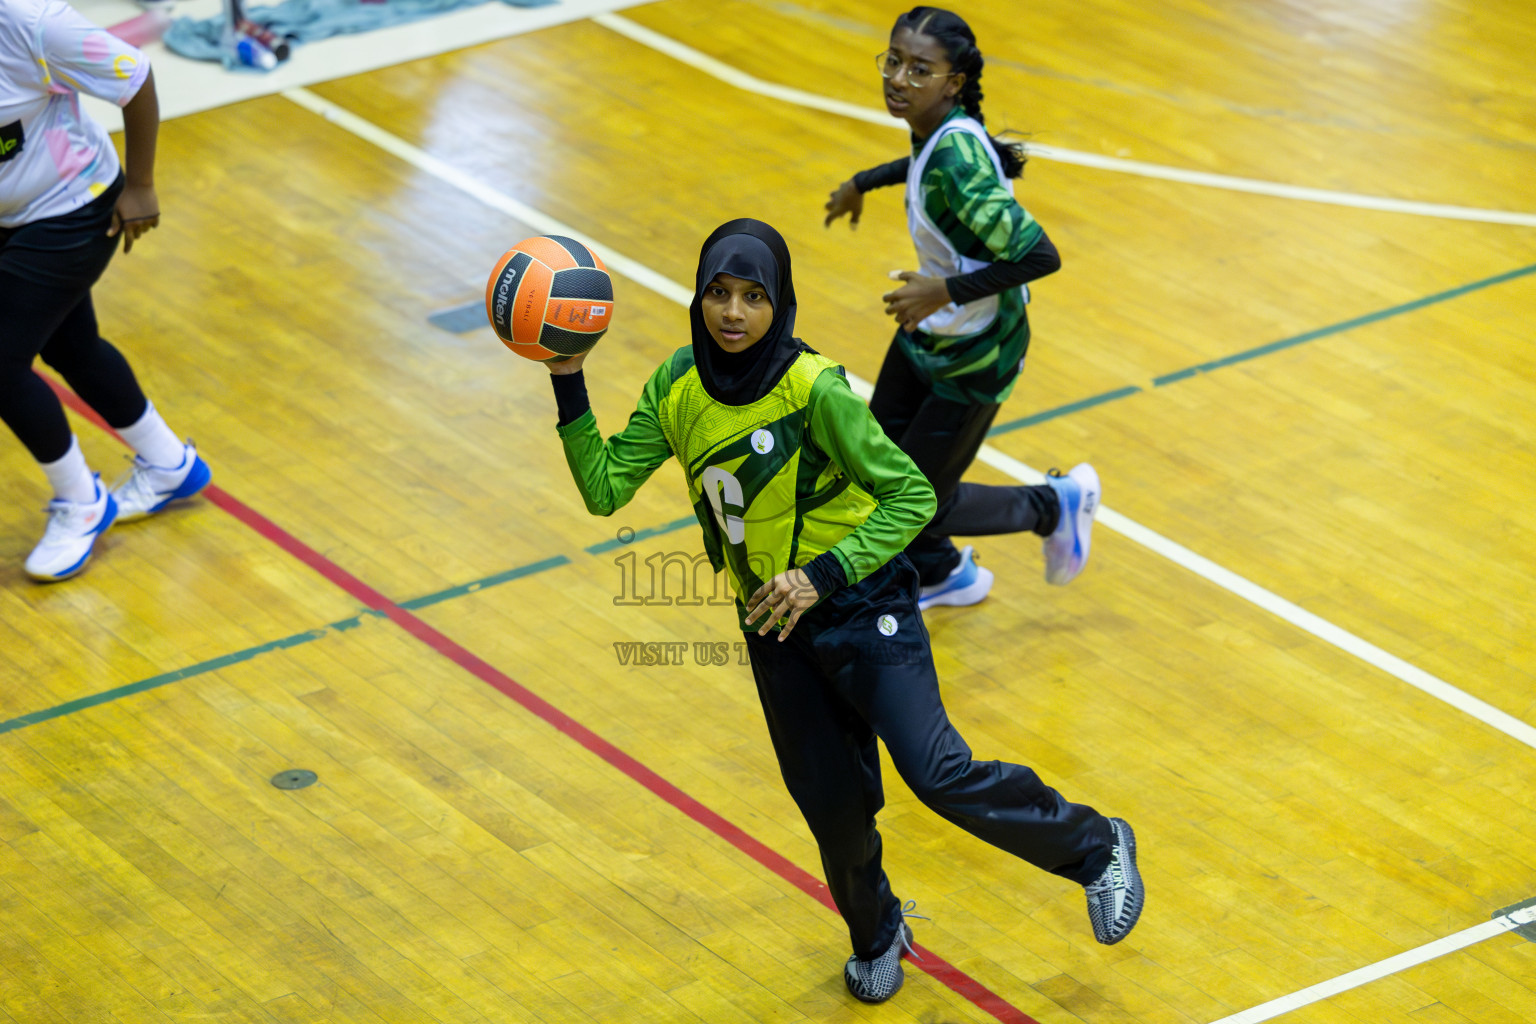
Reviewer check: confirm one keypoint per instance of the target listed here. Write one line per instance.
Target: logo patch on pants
(12, 139)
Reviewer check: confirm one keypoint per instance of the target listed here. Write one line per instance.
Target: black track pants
(837, 684)
(943, 437)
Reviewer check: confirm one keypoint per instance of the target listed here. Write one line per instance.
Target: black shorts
(67, 251)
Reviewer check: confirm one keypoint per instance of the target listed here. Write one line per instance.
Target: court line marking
(163, 679)
(934, 965)
(1346, 325)
(462, 324)
(1177, 553)
(340, 626)
(787, 94)
(1263, 350)
(1381, 969)
(1281, 608)
(223, 661)
(635, 536)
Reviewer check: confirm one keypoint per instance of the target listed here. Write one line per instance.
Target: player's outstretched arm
(608, 472)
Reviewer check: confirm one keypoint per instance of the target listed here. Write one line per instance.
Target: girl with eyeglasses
(807, 505)
(962, 328)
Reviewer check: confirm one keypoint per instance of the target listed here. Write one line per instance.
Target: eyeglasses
(918, 74)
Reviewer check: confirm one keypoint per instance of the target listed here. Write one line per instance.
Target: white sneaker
(148, 489)
(967, 583)
(1066, 549)
(73, 527)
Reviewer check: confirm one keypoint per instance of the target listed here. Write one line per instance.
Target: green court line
(214, 664)
(1266, 349)
(489, 581)
(1339, 328)
(1062, 410)
(634, 535)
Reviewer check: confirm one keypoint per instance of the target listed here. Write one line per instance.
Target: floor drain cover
(294, 778)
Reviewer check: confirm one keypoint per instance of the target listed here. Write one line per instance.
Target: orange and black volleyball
(549, 297)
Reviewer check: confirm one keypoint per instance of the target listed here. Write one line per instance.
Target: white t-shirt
(53, 158)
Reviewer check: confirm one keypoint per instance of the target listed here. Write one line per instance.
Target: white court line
(741, 80)
(1280, 607)
(1391, 965)
(1203, 567)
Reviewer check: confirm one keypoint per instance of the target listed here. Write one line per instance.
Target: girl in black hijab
(748, 250)
(807, 505)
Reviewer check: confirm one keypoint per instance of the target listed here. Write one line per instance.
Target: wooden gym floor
(1300, 661)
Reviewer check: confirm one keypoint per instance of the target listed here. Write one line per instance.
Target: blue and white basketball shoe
(1066, 549)
(70, 536)
(967, 583)
(148, 489)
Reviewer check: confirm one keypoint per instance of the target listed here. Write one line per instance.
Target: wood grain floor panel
(1301, 813)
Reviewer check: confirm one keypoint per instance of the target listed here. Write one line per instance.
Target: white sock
(154, 441)
(70, 476)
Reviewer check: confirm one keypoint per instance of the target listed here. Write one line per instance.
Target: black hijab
(752, 251)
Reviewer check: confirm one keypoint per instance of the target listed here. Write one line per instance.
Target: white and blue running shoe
(1066, 549)
(148, 489)
(70, 537)
(967, 583)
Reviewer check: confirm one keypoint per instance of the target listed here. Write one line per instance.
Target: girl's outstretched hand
(845, 199)
(571, 365)
(789, 593)
(917, 299)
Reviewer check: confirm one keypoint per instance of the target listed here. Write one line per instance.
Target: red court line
(957, 980)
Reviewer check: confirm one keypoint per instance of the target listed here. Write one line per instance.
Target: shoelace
(63, 516)
(1113, 877)
(135, 484)
(909, 909)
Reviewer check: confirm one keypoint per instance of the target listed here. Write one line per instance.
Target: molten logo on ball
(549, 297)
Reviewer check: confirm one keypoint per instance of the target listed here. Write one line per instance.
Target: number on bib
(725, 497)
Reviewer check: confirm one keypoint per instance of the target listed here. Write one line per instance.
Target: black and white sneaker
(1116, 898)
(875, 981)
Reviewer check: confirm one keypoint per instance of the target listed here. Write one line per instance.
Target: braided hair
(959, 43)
